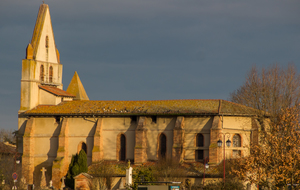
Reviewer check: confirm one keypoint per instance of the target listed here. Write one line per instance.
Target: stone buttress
(97, 152)
(140, 149)
(178, 139)
(215, 152)
(28, 151)
(61, 163)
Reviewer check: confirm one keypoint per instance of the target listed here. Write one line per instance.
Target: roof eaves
(118, 114)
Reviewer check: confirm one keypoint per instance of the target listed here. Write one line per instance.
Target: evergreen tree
(78, 165)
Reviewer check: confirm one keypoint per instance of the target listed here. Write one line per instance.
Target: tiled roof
(56, 91)
(153, 107)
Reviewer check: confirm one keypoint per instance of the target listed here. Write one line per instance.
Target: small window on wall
(47, 42)
(133, 119)
(154, 119)
(57, 120)
(199, 155)
(162, 146)
(199, 140)
(50, 74)
(122, 148)
(42, 73)
(236, 140)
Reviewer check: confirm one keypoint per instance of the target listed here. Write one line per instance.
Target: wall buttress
(178, 139)
(97, 154)
(28, 151)
(140, 149)
(61, 163)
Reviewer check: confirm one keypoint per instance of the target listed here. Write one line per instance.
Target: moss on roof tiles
(158, 107)
(234, 108)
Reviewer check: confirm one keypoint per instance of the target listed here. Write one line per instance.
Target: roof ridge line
(159, 100)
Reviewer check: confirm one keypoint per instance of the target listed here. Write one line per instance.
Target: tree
(8, 154)
(78, 165)
(168, 169)
(8, 136)
(276, 159)
(143, 174)
(103, 172)
(269, 90)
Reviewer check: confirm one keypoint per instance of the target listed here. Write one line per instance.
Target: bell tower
(41, 66)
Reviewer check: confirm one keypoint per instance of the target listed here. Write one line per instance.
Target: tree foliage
(143, 174)
(78, 165)
(270, 89)
(276, 159)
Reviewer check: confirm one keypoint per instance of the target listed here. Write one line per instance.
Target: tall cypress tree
(78, 165)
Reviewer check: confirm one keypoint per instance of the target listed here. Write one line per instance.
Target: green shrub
(77, 166)
(144, 174)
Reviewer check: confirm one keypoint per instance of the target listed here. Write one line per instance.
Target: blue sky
(150, 50)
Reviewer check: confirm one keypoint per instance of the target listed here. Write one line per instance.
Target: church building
(55, 124)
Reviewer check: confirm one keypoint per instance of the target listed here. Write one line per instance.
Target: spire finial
(43, 2)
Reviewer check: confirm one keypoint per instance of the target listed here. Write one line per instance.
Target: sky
(151, 49)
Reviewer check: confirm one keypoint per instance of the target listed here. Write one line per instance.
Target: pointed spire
(39, 26)
(42, 41)
(76, 88)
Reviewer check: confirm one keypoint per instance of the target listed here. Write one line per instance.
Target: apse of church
(55, 124)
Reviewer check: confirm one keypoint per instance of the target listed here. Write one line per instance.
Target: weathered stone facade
(53, 126)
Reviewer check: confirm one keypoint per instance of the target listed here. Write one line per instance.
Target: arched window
(236, 143)
(236, 140)
(199, 154)
(199, 140)
(50, 74)
(47, 42)
(162, 146)
(42, 73)
(82, 146)
(122, 148)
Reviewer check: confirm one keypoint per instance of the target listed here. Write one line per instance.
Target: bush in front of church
(143, 174)
(78, 165)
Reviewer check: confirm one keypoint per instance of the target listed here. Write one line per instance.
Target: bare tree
(269, 90)
(7, 135)
(103, 172)
(168, 169)
(8, 156)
